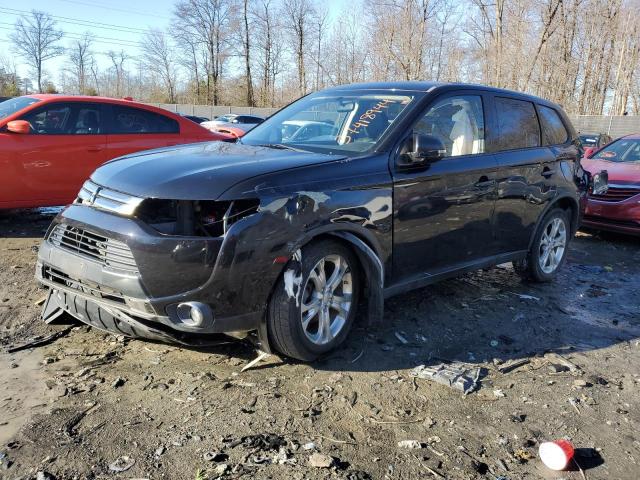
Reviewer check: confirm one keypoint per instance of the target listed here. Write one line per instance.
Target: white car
(301, 130)
(244, 122)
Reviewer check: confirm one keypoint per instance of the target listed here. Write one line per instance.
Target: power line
(94, 5)
(77, 36)
(78, 21)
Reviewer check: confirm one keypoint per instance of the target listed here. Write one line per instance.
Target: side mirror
(19, 126)
(600, 183)
(424, 149)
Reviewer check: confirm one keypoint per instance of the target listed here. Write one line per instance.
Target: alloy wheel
(552, 245)
(326, 300)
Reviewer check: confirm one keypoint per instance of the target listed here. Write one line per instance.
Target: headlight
(195, 218)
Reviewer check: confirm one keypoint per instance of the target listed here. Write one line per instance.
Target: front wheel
(314, 303)
(549, 248)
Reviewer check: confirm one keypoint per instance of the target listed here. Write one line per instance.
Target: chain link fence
(616, 126)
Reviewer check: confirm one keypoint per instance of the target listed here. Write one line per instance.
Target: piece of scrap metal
(458, 376)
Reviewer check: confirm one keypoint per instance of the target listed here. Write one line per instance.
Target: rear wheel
(549, 248)
(314, 304)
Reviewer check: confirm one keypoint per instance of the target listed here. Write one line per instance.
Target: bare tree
(36, 40)
(267, 27)
(80, 60)
(246, 44)
(208, 23)
(298, 17)
(158, 58)
(117, 60)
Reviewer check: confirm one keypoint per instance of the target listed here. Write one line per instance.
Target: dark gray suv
(409, 183)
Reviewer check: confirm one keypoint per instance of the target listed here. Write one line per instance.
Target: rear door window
(553, 130)
(129, 120)
(517, 124)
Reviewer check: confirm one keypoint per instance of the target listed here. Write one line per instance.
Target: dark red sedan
(618, 209)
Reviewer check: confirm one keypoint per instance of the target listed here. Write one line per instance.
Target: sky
(115, 24)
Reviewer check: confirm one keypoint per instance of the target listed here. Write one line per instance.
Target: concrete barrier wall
(211, 111)
(616, 126)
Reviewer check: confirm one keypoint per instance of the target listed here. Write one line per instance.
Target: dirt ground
(92, 405)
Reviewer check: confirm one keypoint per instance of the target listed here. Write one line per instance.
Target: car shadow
(25, 223)
(492, 314)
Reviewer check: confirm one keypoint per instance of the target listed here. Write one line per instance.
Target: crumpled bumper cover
(133, 297)
(115, 321)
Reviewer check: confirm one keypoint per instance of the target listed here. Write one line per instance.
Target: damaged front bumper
(117, 274)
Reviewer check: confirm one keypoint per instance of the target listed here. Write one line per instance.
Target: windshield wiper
(280, 146)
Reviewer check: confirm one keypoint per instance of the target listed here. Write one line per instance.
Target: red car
(618, 209)
(50, 144)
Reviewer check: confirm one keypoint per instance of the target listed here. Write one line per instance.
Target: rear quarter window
(517, 124)
(129, 120)
(553, 130)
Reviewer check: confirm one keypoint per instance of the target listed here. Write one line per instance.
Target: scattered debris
(556, 358)
(118, 382)
(261, 356)
(410, 444)
(557, 454)
(455, 375)
(523, 296)
(320, 460)
(40, 342)
(215, 457)
(512, 365)
(42, 475)
(40, 301)
(574, 403)
(122, 464)
(69, 427)
(498, 392)
(400, 337)
(522, 455)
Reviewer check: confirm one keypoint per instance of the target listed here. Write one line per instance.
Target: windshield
(589, 140)
(622, 151)
(225, 118)
(11, 106)
(350, 123)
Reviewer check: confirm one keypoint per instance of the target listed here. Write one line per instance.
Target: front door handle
(547, 172)
(95, 149)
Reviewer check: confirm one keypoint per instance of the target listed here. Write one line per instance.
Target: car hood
(618, 172)
(200, 171)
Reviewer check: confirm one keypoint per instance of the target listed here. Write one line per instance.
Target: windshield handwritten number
(366, 118)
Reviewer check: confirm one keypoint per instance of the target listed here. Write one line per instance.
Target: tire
(536, 266)
(298, 289)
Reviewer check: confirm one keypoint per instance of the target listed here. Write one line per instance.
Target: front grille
(95, 290)
(617, 194)
(103, 198)
(106, 251)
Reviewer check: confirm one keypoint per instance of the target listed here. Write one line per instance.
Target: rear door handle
(95, 149)
(546, 172)
(484, 182)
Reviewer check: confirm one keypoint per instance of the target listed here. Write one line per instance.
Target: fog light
(192, 314)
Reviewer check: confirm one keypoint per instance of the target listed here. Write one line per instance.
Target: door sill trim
(425, 279)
